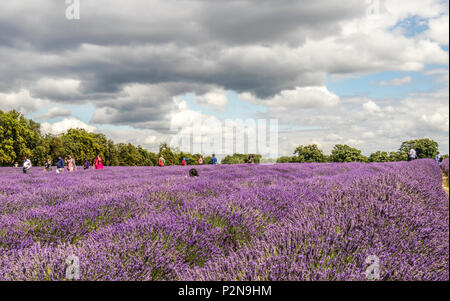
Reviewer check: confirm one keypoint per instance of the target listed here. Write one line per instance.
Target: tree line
(21, 137)
(425, 148)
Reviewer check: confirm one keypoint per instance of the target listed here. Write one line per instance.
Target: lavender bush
(239, 222)
(445, 166)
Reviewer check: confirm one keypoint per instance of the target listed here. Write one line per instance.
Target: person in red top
(98, 163)
(200, 161)
(161, 161)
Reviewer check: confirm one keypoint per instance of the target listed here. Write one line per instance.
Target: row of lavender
(445, 166)
(256, 222)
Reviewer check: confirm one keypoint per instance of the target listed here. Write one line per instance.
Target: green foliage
(380, 156)
(19, 137)
(425, 148)
(240, 159)
(345, 153)
(309, 153)
(170, 157)
(286, 159)
(396, 156)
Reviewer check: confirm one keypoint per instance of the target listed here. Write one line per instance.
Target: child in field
(26, 165)
(200, 160)
(48, 165)
(213, 160)
(86, 164)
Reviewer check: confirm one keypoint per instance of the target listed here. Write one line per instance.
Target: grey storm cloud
(131, 58)
(116, 43)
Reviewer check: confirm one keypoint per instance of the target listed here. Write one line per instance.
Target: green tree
(240, 159)
(425, 148)
(129, 155)
(380, 156)
(169, 155)
(395, 157)
(18, 138)
(148, 158)
(286, 159)
(309, 153)
(345, 153)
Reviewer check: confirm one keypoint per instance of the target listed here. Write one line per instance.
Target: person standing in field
(70, 167)
(98, 162)
(86, 164)
(200, 160)
(48, 165)
(161, 161)
(438, 158)
(251, 159)
(16, 165)
(412, 154)
(26, 165)
(213, 160)
(74, 165)
(60, 165)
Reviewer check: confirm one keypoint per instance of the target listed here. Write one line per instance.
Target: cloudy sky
(365, 73)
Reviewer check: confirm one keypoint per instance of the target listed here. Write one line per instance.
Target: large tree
(19, 137)
(425, 148)
(380, 156)
(345, 153)
(309, 153)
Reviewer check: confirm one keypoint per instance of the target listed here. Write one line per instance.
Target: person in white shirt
(412, 154)
(26, 165)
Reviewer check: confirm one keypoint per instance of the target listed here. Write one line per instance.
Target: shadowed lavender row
(445, 166)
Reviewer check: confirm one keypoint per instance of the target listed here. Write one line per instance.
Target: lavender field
(240, 222)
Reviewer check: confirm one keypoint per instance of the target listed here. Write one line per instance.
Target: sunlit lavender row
(239, 222)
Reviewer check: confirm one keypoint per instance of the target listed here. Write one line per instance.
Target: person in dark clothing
(213, 160)
(193, 172)
(86, 164)
(48, 165)
(60, 165)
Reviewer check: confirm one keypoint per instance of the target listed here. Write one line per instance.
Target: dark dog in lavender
(193, 172)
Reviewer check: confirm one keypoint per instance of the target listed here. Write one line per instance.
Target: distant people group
(69, 163)
(413, 156)
(185, 160)
(61, 164)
